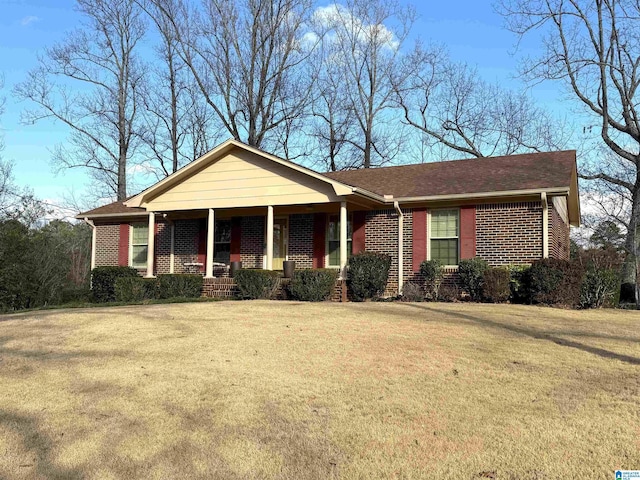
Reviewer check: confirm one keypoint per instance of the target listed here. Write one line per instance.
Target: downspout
(545, 225)
(396, 205)
(93, 241)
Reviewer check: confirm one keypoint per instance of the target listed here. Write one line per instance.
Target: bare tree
(172, 110)
(333, 123)
(450, 104)
(90, 83)
(593, 49)
(365, 60)
(245, 57)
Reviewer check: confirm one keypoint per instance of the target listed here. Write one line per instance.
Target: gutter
(505, 193)
(93, 241)
(545, 225)
(112, 215)
(396, 205)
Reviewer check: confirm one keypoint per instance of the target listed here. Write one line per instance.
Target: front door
(280, 241)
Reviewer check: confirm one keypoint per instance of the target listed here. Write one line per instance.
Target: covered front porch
(208, 241)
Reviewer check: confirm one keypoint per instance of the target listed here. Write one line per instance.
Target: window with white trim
(222, 241)
(444, 239)
(139, 244)
(333, 240)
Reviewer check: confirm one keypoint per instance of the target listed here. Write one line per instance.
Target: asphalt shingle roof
(496, 174)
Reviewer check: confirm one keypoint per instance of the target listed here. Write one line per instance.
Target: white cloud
(335, 16)
(28, 20)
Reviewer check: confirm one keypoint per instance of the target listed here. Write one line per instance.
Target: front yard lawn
(266, 390)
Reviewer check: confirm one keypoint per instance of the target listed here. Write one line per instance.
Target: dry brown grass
(244, 390)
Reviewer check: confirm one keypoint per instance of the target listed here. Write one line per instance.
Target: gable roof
(219, 152)
(112, 210)
(531, 171)
(523, 174)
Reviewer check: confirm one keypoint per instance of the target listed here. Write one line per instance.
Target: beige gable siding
(243, 179)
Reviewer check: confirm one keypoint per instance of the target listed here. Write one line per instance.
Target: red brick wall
(301, 240)
(186, 245)
(509, 233)
(381, 235)
(252, 248)
(107, 241)
(559, 243)
(163, 248)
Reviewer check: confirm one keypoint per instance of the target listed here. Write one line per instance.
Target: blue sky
(471, 30)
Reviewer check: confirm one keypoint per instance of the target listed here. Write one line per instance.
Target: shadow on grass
(538, 335)
(39, 461)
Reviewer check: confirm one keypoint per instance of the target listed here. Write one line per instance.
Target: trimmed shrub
(313, 285)
(135, 289)
(601, 282)
(554, 282)
(187, 286)
(103, 281)
(517, 283)
(471, 274)
(368, 275)
(496, 285)
(75, 295)
(449, 293)
(432, 271)
(412, 292)
(254, 284)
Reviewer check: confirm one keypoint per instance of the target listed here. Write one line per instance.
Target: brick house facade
(505, 234)
(513, 212)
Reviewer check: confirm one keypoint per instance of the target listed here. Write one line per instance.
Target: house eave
(83, 216)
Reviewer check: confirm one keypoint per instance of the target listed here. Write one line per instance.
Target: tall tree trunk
(628, 289)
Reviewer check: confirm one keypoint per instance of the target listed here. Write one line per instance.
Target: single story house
(238, 203)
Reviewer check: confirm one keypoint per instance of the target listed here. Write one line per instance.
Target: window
(222, 242)
(333, 240)
(445, 228)
(139, 244)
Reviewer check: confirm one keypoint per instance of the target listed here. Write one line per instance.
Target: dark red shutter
(358, 236)
(201, 242)
(319, 233)
(419, 238)
(467, 232)
(236, 238)
(123, 245)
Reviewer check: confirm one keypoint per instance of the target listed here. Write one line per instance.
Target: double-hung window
(445, 236)
(222, 242)
(139, 244)
(333, 240)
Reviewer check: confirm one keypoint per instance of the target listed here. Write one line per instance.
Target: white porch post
(209, 260)
(400, 247)
(151, 243)
(269, 237)
(172, 256)
(343, 239)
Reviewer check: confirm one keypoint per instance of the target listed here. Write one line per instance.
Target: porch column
(172, 256)
(269, 238)
(151, 244)
(343, 239)
(209, 259)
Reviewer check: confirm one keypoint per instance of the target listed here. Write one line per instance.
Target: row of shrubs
(368, 274)
(592, 280)
(123, 284)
